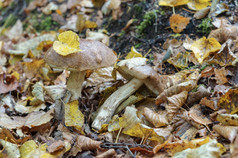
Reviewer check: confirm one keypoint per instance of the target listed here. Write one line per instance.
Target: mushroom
(135, 70)
(94, 55)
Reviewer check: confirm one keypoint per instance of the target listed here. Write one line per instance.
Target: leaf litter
(170, 95)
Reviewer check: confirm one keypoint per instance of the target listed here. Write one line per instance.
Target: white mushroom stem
(107, 110)
(74, 83)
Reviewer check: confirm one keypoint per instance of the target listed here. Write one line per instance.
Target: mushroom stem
(74, 83)
(108, 108)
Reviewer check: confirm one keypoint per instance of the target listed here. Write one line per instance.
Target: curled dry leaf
(198, 95)
(203, 47)
(7, 83)
(220, 76)
(196, 115)
(209, 103)
(10, 135)
(84, 143)
(228, 132)
(156, 119)
(224, 57)
(33, 120)
(189, 83)
(224, 33)
(178, 23)
(109, 153)
(229, 101)
(228, 119)
(201, 13)
(174, 103)
(208, 72)
(38, 94)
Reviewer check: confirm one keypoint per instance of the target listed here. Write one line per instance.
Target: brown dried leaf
(197, 116)
(108, 154)
(56, 146)
(224, 33)
(31, 69)
(34, 119)
(84, 143)
(174, 103)
(156, 119)
(198, 95)
(228, 132)
(209, 103)
(7, 83)
(220, 76)
(207, 72)
(178, 23)
(201, 13)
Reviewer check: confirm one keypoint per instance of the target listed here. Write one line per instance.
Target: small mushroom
(94, 55)
(135, 70)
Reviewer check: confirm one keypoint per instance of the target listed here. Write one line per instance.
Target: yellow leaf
(73, 116)
(180, 60)
(133, 54)
(178, 23)
(229, 101)
(68, 43)
(228, 119)
(198, 4)
(30, 149)
(203, 47)
(90, 24)
(172, 3)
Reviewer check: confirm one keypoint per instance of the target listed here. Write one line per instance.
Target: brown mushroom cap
(94, 55)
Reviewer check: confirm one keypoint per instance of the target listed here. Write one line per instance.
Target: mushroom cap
(94, 55)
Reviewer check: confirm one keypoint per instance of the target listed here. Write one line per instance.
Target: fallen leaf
(33, 68)
(220, 76)
(228, 132)
(172, 3)
(224, 57)
(107, 154)
(38, 94)
(203, 47)
(31, 149)
(157, 119)
(99, 36)
(209, 103)
(211, 149)
(7, 83)
(73, 116)
(11, 149)
(180, 60)
(178, 23)
(133, 53)
(228, 119)
(208, 72)
(198, 4)
(68, 43)
(201, 13)
(229, 101)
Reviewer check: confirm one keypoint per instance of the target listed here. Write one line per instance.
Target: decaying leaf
(189, 83)
(157, 119)
(203, 47)
(211, 149)
(198, 95)
(73, 116)
(202, 13)
(99, 36)
(209, 103)
(224, 57)
(198, 4)
(220, 76)
(180, 60)
(9, 136)
(84, 143)
(68, 43)
(228, 119)
(172, 3)
(228, 132)
(38, 94)
(229, 101)
(174, 103)
(33, 120)
(33, 68)
(107, 154)
(31, 149)
(178, 23)
(11, 149)
(7, 83)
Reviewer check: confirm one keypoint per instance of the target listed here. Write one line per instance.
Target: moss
(205, 26)
(148, 19)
